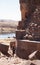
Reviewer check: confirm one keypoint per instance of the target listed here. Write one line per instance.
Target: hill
(7, 26)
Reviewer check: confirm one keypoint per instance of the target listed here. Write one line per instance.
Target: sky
(10, 9)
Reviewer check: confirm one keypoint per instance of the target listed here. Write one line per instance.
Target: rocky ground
(17, 61)
(14, 60)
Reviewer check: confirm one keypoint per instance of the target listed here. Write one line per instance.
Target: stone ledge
(26, 48)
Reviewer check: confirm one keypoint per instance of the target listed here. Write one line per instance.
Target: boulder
(4, 49)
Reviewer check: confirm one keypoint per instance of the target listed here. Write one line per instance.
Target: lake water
(11, 35)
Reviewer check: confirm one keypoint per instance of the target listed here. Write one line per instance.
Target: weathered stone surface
(22, 25)
(13, 47)
(4, 49)
(34, 25)
(20, 34)
(26, 48)
(30, 11)
(38, 55)
(32, 56)
(35, 55)
(27, 7)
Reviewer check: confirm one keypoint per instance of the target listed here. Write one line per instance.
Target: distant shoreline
(6, 32)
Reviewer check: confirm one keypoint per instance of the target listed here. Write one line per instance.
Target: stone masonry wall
(30, 13)
(28, 28)
(27, 7)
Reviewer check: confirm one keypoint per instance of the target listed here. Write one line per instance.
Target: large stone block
(20, 34)
(26, 47)
(4, 48)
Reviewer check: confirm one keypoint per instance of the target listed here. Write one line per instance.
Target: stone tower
(30, 13)
(28, 30)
